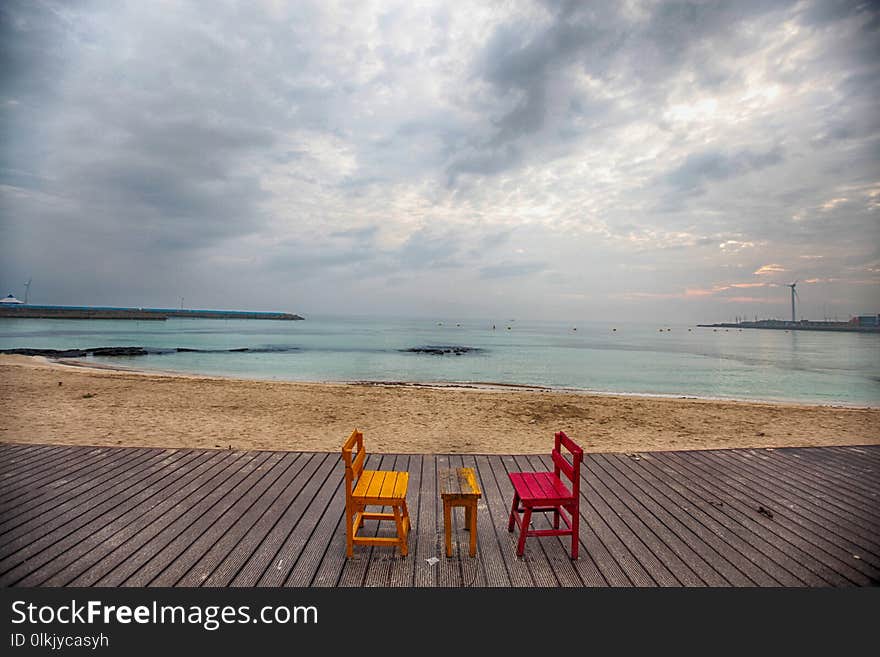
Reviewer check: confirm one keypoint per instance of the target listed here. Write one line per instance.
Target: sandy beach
(46, 402)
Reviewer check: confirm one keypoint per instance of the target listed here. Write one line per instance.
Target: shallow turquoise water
(805, 366)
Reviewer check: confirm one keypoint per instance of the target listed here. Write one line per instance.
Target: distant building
(866, 320)
(10, 299)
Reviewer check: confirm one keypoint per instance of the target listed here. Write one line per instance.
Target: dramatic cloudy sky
(657, 160)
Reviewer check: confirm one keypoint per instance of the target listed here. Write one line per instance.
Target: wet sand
(55, 403)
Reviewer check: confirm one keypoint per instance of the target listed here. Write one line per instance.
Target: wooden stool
(458, 487)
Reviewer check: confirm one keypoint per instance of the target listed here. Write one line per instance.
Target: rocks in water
(78, 353)
(442, 350)
(117, 351)
(49, 353)
(137, 351)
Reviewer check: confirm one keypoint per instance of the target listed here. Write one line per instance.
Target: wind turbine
(26, 289)
(793, 295)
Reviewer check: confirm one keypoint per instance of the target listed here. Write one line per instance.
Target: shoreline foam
(474, 385)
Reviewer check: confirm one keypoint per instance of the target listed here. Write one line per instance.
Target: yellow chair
(363, 488)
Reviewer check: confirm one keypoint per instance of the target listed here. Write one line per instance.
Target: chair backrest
(354, 455)
(561, 464)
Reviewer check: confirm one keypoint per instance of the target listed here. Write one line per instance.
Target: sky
(656, 161)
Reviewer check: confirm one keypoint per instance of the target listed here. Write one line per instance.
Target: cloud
(769, 269)
(699, 169)
(386, 153)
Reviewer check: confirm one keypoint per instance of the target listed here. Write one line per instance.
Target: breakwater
(804, 325)
(31, 311)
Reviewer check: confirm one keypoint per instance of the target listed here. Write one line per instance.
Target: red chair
(547, 491)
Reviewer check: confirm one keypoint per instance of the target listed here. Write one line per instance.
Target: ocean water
(668, 360)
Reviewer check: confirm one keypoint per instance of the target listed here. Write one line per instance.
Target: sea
(670, 360)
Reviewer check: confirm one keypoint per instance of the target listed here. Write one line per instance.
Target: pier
(803, 325)
(30, 311)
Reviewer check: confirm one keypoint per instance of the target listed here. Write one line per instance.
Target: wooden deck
(102, 516)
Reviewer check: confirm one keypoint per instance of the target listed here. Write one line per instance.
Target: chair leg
(401, 531)
(472, 523)
(349, 532)
(575, 535)
(406, 518)
(447, 527)
(513, 511)
(523, 531)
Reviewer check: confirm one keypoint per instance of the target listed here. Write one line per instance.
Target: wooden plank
(449, 574)
(593, 511)
(725, 535)
(31, 463)
(221, 544)
(498, 494)
(31, 538)
(30, 480)
(374, 487)
(498, 509)
(143, 516)
(695, 546)
(866, 454)
(322, 561)
(286, 519)
(534, 556)
(426, 535)
(11, 453)
(92, 549)
(853, 472)
(229, 542)
(98, 533)
(494, 572)
(662, 542)
(812, 528)
(783, 553)
(179, 518)
(402, 571)
(801, 535)
(225, 518)
(449, 570)
(813, 474)
(258, 546)
(846, 489)
(806, 501)
(78, 492)
(136, 526)
(850, 463)
(310, 506)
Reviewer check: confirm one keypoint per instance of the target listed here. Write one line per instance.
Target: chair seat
(381, 487)
(540, 488)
